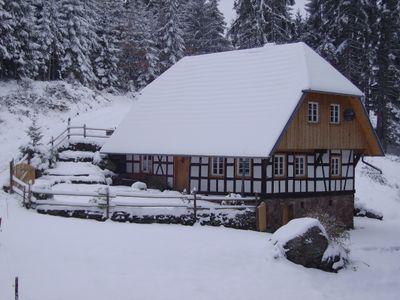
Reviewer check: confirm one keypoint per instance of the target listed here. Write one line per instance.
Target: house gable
(357, 134)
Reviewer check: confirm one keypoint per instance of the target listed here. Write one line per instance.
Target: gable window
(335, 113)
(146, 163)
(335, 166)
(243, 167)
(279, 165)
(217, 166)
(299, 165)
(313, 112)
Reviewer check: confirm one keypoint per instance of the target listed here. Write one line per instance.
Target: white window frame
(335, 113)
(247, 169)
(300, 166)
(279, 164)
(217, 166)
(336, 166)
(146, 164)
(313, 112)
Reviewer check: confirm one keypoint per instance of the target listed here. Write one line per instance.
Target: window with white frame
(243, 167)
(299, 165)
(335, 165)
(313, 112)
(217, 166)
(146, 163)
(335, 113)
(279, 165)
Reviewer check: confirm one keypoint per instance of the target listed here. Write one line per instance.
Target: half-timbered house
(277, 121)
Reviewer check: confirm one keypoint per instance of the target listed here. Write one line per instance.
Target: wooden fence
(78, 131)
(189, 201)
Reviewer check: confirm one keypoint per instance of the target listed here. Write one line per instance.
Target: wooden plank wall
(323, 135)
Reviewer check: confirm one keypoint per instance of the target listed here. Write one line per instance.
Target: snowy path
(58, 258)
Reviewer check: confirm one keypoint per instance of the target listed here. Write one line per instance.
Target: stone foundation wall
(281, 210)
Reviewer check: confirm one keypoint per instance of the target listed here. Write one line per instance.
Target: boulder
(139, 186)
(305, 242)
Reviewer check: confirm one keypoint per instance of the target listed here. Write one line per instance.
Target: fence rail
(82, 131)
(29, 200)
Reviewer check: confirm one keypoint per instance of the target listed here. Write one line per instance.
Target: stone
(308, 249)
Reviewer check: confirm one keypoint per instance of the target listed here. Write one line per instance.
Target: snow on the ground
(74, 168)
(75, 155)
(106, 113)
(380, 193)
(65, 258)
(58, 258)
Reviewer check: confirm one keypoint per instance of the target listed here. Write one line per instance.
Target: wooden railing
(78, 131)
(27, 192)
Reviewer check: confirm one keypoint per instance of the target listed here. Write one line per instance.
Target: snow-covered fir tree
(247, 30)
(261, 21)
(20, 49)
(170, 34)
(299, 28)
(386, 76)
(34, 148)
(105, 56)
(278, 22)
(78, 41)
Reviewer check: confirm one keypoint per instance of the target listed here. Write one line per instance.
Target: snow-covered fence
(78, 131)
(106, 200)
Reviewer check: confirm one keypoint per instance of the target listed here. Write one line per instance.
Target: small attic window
(313, 112)
(335, 113)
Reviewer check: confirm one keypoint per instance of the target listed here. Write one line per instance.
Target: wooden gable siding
(356, 135)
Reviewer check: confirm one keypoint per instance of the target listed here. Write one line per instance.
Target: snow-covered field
(61, 258)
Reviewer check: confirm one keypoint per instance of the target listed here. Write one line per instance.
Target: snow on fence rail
(30, 201)
(81, 131)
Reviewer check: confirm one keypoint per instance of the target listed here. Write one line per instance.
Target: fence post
(195, 204)
(16, 288)
(51, 152)
(108, 202)
(24, 196)
(29, 195)
(84, 130)
(11, 175)
(68, 128)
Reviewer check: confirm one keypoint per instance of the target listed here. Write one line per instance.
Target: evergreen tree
(171, 43)
(299, 28)
(261, 21)
(6, 27)
(278, 24)
(18, 39)
(386, 75)
(105, 56)
(217, 27)
(78, 41)
(247, 31)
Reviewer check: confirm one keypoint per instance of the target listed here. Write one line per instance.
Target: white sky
(226, 7)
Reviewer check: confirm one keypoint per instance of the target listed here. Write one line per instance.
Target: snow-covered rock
(139, 186)
(304, 241)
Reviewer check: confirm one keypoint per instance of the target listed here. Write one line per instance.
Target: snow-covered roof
(233, 103)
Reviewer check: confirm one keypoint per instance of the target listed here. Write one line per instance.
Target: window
(243, 167)
(299, 165)
(335, 166)
(335, 113)
(217, 166)
(313, 112)
(279, 165)
(146, 163)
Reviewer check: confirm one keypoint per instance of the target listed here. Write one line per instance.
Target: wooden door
(287, 213)
(181, 173)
